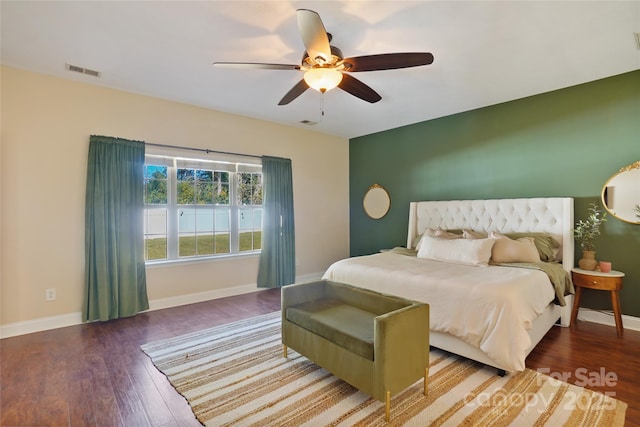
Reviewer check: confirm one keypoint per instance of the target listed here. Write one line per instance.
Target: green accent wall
(564, 143)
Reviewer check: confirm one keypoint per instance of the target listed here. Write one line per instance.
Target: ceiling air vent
(83, 70)
(308, 122)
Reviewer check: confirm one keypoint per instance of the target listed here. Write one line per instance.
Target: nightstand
(611, 281)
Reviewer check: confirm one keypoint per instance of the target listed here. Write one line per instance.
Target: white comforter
(491, 308)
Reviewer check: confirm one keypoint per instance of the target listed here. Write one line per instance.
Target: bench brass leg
(284, 347)
(426, 381)
(387, 406)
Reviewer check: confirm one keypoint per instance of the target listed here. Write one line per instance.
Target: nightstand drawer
(597, 282)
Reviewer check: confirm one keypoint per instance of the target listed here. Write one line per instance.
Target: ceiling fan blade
(255, 65)
(295, 92)
(314, 36)
(356, 88)
(388, 61)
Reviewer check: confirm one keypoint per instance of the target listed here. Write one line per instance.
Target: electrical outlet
(50, 294)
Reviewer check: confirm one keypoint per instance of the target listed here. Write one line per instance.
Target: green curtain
(115, 274)
(278, 257)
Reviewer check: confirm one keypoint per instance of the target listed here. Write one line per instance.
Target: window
(201, 208)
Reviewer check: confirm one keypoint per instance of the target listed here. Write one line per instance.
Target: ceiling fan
(324, 66)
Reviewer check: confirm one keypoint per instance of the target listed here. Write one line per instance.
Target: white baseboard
(71, 319)
(308, 277)
(606, 318)
(40, 324)
(159, 304)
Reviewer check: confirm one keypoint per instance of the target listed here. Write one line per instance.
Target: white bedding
(490, 308)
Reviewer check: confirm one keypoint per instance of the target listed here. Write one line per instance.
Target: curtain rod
(205, 150)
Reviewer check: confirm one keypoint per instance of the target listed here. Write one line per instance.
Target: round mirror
(376, 202)
(621, 194)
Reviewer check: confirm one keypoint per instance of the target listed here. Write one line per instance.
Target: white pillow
(475, 252)
(443, 234)
(470, 234)
(509, 250)
(437, 232)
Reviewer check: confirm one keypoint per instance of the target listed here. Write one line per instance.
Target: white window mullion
(172, 212)
(234, 236)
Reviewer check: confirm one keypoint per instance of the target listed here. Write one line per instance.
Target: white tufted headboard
(546, 215)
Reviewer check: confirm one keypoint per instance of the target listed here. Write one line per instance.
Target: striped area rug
(236, 374)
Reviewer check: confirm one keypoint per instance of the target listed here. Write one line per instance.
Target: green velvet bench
(377, 343)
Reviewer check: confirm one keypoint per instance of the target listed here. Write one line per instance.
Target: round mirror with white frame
(621, 194)
(376, 202)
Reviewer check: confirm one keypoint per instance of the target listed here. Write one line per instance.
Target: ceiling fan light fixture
(323, 79)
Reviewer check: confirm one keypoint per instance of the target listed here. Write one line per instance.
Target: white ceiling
(486, 52)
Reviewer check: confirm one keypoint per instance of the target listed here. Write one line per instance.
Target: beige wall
(46, 123)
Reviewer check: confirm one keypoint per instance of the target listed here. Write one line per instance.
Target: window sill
(198, 260)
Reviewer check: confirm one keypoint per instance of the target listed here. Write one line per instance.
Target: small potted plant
(585, 233)
(637, 211)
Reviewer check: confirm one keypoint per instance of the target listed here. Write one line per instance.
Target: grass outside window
(156, 249)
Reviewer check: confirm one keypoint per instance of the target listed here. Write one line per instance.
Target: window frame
(173, 162)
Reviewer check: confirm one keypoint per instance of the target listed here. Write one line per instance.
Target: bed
(494, 313)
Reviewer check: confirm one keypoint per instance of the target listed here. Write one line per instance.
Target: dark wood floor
(96, 374)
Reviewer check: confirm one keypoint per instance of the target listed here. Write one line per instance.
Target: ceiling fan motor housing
(336, 57)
